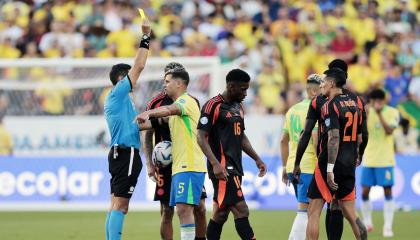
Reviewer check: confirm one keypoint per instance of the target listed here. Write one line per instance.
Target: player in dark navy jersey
(221, 137)
(334, 216)
(334, 176)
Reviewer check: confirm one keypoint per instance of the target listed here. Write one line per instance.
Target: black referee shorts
(124, 169)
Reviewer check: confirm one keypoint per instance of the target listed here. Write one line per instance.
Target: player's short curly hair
(378, 94)
(173, 65)
(118, 70)
(340, 64)
(237, 75)
(179, 73)
(338, 75)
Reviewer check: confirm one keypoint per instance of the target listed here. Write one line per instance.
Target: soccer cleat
(369, 227)
(387, 232)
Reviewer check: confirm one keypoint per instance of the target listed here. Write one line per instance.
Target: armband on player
(330, 167)
(145, 41)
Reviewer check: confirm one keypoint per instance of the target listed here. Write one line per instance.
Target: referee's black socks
(214, 230)
(244, 229)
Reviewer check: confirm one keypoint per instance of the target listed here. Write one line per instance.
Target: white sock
(187, 231)
(388, 213)
(367, 212)
(298, 231)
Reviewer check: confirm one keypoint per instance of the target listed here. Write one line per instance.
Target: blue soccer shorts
(187, 188)
(378, 176)
(301, 189)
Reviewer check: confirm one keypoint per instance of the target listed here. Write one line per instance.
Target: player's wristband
(330, 167)
(145, 41)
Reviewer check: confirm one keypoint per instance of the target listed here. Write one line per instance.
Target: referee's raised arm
(141, 55)
(124, 158)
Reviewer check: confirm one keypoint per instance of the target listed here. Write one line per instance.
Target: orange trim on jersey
(314, 103)
(351, 196)
(324, 109)
(160, 96)
(158, 104)
(237, 182)
(336, 109)
(359, 103)
(322, 185)
(361, 107)
(222, 183)
(216, 113)
(211, 102)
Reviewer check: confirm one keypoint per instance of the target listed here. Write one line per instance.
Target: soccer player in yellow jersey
(293, 126)
(189, 164)
(378, 166)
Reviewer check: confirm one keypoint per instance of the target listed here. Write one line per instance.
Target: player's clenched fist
(142, 117)
(262, 167)
(220, 172)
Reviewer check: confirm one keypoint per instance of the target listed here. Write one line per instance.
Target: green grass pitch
(145, 225)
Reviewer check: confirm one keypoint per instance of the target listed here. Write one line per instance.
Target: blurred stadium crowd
(278, 42)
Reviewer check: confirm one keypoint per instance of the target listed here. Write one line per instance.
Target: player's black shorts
(228, 193)
(124, 169)
(319, 188)
(163, 185)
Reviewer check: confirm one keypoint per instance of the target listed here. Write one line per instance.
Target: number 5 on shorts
(180, 188)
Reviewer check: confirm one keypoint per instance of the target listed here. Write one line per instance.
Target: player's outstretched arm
(249, 150)
(160, 112)
(304, 140)
(284, 151)
(218, 169)
(141, 55)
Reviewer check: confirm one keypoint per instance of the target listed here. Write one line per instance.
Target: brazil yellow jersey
(293, 125)
(186, 153)
(380, 149)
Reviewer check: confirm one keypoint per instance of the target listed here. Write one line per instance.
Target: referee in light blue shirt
(124, 158)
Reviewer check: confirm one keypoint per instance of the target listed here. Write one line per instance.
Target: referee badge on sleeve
(204, 120)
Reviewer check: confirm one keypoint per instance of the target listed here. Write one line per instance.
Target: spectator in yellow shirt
(124, 39)
(283, 23)
(270, 84)
(360, 74)
(7, 50)
(6, 143)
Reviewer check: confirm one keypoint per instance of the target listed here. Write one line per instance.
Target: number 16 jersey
(224, 122)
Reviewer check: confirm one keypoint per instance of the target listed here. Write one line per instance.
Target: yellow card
(141, 12)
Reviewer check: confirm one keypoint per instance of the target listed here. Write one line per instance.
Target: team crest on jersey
(204, 120)
(327, 122)
(182, 101)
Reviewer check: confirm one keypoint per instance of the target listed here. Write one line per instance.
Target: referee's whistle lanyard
(115, 147)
